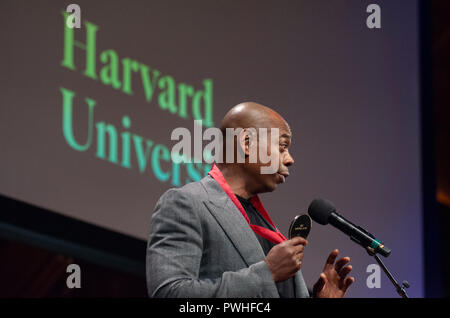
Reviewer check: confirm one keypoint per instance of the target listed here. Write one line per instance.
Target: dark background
(438, 78)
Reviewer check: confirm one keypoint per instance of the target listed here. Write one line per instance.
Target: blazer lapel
(233, 223)
(301, 290)
(236, 228)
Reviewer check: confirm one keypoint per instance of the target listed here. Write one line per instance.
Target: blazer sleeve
(174, 253)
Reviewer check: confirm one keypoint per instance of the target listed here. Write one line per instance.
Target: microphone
(323, 212)
(300, 226)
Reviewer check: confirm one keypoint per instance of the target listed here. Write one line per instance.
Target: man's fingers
(298, 249)
(345, 271)
(341, 263)
(332, 257)
(298, 240)
(348, 281)
(320, 283)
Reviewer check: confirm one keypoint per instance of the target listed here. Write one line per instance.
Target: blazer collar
(232, 222)
(236, 228)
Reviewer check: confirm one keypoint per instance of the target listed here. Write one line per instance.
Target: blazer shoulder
(194, 191)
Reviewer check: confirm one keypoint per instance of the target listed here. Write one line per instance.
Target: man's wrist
(270, 269)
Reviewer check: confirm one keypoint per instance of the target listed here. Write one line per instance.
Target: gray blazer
(200, 245)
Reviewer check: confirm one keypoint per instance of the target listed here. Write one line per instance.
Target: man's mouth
(283, 176)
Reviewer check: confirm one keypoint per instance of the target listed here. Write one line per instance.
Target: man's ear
(248, 142)
(243, 143)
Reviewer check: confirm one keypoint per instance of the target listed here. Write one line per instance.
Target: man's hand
(333, 282)
(285, 259)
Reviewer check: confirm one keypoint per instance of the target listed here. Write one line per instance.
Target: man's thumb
(320, 283)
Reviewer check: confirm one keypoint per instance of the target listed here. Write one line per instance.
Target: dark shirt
(286, 289)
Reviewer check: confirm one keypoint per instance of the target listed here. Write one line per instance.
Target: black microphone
(323, 212)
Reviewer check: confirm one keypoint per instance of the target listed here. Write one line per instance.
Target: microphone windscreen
(320, 210)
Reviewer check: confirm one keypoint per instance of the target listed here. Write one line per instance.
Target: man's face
(277, 149)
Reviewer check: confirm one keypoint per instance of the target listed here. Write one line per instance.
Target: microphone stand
(399, 288)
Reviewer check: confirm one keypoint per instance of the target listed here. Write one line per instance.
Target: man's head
(253, 117)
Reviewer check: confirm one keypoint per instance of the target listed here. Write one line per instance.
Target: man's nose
(288, 160)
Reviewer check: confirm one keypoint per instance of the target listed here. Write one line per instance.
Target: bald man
(213, 238)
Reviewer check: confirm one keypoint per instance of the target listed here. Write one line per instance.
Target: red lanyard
(274, 237)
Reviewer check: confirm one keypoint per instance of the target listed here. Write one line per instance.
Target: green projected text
(180, 99)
